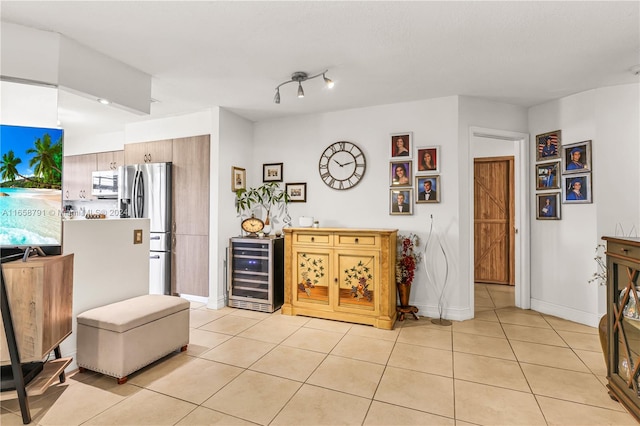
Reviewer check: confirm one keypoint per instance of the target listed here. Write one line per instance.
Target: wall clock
(342, 165)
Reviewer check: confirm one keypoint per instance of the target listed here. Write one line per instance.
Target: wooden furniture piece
(623, 321)
(36, 318)
(256, 273)
(109, 160)
(341, 274)
(76, 180)
(120, 338)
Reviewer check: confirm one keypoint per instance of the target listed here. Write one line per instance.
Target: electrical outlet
(137, 236)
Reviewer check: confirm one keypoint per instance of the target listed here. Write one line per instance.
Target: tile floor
(505, 367)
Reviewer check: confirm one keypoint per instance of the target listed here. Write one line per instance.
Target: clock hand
(345, 164)
(341, 165)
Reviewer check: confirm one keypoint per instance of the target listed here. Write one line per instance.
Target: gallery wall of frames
(412, 179)
(563, 174)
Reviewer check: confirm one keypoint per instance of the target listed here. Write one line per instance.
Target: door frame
(522, 219)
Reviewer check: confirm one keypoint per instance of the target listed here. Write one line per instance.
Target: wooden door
(494, 229)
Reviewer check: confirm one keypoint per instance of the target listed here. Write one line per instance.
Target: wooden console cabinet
(341, 274)
(623, 321)
(40, 293)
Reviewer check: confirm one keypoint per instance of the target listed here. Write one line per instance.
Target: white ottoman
(123, 337)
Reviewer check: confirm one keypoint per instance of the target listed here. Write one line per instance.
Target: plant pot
(404, 291)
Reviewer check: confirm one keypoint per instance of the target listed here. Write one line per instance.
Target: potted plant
(406, 265)
(268, 196)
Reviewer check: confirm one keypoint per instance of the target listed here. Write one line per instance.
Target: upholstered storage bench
(123, 337)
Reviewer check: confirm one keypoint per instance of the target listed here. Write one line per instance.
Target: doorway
(486, 142)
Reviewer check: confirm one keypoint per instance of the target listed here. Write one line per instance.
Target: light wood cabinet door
(357, 283)
(76, 182)
(149, 152)
(190, 265)
(40, 293)
(190, 171)
(312, 268)
(109, 160)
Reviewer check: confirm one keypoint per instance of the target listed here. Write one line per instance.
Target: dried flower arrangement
(408, 259)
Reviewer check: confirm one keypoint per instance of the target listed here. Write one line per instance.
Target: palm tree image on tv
(45, 162)
(30, 186)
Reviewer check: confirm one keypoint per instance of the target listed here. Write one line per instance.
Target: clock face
(342, 165)
(252, 225)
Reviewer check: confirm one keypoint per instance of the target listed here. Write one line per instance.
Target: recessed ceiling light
(635, 70)
(104, 101)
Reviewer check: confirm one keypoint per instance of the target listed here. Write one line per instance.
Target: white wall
(562, 251)
(26, 105)
(235, 149)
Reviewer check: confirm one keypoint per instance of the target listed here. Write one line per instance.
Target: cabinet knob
(149, 157)
(335, 280)
(145, 158)
(313, 239)
(624, 250)
(356, 241)
(66, 194)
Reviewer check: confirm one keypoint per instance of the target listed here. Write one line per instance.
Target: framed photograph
(272, 172)
(548, 206)
(576, 188)
(401, 145)
(548, 175)
(297, 192)
(427, 189)
(576, 157)
(400, 173)
(238, 178)
(427, 159)
(548, 145)
(400, 201)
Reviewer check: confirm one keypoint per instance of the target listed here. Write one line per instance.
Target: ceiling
(233, 54)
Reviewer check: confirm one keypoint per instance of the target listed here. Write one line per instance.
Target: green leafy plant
(268, 196)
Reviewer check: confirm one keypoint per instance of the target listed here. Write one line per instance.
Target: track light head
(328, 81)
(276, 98)
(300, 91)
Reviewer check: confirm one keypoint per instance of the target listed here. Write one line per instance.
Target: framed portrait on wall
(548, 145)
(400, 173)
(548, 175)
(427, 159)
(576, 188)
(548, 206)
(576, 157)
(427, 189)
(401, 145)
(272, 172)
(238, 178)
(400, 201)
(297, 192)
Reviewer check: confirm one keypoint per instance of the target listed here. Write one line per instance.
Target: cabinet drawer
(368, 241)
(319, 239)
(623, 250)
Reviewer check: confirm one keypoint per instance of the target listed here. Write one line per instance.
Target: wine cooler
(256, 273)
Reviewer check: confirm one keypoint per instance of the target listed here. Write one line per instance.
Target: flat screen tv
(30, 190)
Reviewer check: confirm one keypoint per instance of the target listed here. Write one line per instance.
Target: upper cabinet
(76, 176)
(149, 152)
(109, 160)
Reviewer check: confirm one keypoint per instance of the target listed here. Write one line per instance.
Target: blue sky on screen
(18, 139)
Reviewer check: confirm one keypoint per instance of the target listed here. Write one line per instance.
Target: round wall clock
(342, 165)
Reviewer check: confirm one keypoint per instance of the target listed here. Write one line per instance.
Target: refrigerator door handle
(138, 195)
(154, 257)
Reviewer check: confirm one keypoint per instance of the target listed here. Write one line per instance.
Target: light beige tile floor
(505, 367)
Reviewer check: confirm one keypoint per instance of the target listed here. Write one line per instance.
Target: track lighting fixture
(299, 77)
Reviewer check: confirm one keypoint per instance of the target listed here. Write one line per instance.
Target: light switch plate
(137, 236)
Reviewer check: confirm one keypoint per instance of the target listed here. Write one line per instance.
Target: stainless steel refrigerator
(144, 191)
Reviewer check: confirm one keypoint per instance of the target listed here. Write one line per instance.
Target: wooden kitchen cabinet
(341, 274)
(191, 185)
(190, 264)
(40, 293)
(109, 160)
(76, 176)
(149, 152)
(190, 171)
(623, 322)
